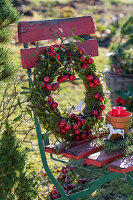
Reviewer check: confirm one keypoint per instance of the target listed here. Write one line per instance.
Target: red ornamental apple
(81, 51)
(117, 100)
(51, 48)
(101, 99)
(83, 121)
(75, 126)
(79, 124)
(48, 86)
(55, 86)
(54, 105)
(54, 196)
(73, 116)
(46, 79)
(63, 122)
(90, 60)
(68, 127)
(84, 66)
(96, 96)
(77, 131)
(102, 106)
(83, 136)
(77, 138)
(91, 84)
(59, 79)
(82, 59)
(123, 101)
(71, 77)
(99, 116)
(54, 191)
(96, 81)
(89, 78)
(62, 176)
(78, 118)
(50, 98)
(63, 131)
(95, 112)
(44, 173)
(71, 168)
(64, 78)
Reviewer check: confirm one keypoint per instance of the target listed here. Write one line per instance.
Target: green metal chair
(32, 31)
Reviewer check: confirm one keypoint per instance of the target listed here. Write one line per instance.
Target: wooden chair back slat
(90, 47)
(31, 31)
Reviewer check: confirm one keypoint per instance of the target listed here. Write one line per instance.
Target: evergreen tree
(8, 16)
(15, 181)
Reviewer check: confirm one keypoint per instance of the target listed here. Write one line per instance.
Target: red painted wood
(52, 148)
(123, 165)
(30, 31)
(90, 46)
(82, 150)
(103, 157)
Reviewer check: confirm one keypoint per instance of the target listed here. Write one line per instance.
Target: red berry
(49, 103)
(73, 116)
(55, 86)
(101, 99)
(63, 122)
(78, 118)
(99, 116)
(81, 51)
(48, 86)
(75, 126)
(91, 84)
(44, 173)
(97, 96)
(59, 79)
(79, 124)
(68, 127)
(83, 181)
(77, 138)
(63, 131)
(83, 121)
(62, 176)
(50, 98)
(54, 191)
(46, 79)
(82, 59)
(54, 105)
(54, 196)
(117, 100)
(96, 81)
(123, 101)
(89, 78)
(102, 106)
(77, 131)
(64, 78)
(83, 136)
(71, 77)
(95, 112)
(90, 60)
(84, 66)
(71, 168)
(51, 48)
(99, 110)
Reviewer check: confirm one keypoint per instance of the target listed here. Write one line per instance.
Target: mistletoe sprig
(58, 64)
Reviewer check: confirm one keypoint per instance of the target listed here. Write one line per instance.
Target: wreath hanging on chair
(58, 64)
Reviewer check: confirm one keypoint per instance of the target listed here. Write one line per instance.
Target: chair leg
(44, 161)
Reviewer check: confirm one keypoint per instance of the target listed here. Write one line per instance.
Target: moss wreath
(57, 64)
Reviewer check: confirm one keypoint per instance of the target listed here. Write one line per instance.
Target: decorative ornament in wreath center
(58, 64)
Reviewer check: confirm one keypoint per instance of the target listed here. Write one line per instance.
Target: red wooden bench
(92, 152)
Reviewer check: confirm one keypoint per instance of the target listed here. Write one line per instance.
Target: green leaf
(51, 123)
(78, 38)
(73, 30)
(54, 35)
(17, 118)
(128, 43)
(37, 46)
(29, 112)
(81, 70)
(19, 103)
(24, 92)
(46, 139)
(109, 89)
(25, 88)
